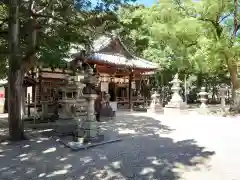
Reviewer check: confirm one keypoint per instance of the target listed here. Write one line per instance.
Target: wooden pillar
(28, 105)
(24, 92)
(33, 86)
(130, 91)
(6, 99)
(40, 86)
(33, 93)
(115, 92)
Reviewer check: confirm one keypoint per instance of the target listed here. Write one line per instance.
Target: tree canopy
(190, 37)
(50, 28)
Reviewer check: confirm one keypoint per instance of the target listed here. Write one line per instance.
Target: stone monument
(176, 103)
(155, 106)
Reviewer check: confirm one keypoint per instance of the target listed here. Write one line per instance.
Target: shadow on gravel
(142, 155)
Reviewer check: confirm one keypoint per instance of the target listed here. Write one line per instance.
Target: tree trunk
(234, 77)
(232, 67)
(235, 105)
(15, 75)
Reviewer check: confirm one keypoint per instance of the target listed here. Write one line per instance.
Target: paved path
(188, 147)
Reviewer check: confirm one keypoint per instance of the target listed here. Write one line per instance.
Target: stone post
(222, 92)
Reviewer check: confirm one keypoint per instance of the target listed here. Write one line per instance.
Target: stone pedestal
(87, 129)
(155, 106)
(176, 104)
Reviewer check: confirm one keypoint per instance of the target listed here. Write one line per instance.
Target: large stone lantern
(88, 127)
(176, 103)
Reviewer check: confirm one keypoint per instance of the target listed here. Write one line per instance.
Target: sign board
(104, 86)
(53, 75)
(2, 92)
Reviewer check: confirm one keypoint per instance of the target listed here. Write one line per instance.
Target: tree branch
(215, 24)
(30, 53)
(192, 44)
(25, 63)
(224, 17)
(64, 21)
(46, 8)
(31, 5)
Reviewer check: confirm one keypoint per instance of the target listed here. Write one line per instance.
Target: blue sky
(146, 2)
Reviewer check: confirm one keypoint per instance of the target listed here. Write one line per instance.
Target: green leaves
(185, 36)
(59, 24)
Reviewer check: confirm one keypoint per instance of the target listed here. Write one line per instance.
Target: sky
(146, 2)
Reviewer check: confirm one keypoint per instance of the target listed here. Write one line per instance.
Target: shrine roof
(120, 60)
(101, 43)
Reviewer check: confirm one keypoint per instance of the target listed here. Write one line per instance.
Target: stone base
(181, 105)
(203, 111)
(175, 111)
(86, 131)
(156, 109)
(77, 146)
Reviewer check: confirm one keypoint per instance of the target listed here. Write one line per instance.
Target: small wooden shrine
(120, 74)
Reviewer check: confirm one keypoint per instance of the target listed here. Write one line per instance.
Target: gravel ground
(154, 147)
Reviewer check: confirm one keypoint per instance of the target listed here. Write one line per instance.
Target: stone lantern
(203, 98)
(203, 109)
(88, 127)
(222, 91)
(155, 105)
(176, 102)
